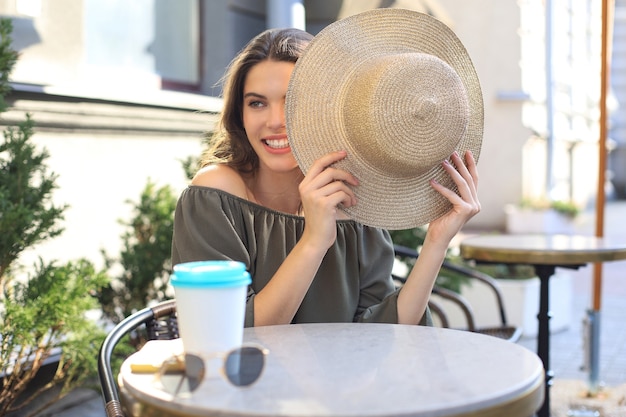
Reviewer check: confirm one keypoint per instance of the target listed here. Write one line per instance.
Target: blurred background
(123, 94)
(122, 91)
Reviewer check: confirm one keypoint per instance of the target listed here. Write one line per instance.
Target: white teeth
(278, 143)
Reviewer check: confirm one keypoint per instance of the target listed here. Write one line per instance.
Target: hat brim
(314, 110)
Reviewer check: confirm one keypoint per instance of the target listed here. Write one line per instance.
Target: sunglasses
(241, 366)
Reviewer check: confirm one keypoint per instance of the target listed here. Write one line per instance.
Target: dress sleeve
(207, 227)
(378, 299)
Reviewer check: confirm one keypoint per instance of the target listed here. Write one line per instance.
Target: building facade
(122, 91)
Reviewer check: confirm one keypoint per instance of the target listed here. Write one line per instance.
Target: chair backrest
(160, 322)
(504, 330)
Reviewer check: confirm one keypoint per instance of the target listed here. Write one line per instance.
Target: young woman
(250, 202)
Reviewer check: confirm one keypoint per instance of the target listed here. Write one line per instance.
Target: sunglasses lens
(194, 370)
(243, 366)
(182, 378)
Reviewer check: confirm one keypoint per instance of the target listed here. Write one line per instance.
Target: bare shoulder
(221, 177)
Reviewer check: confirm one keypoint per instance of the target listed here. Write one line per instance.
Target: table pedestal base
(544, 272)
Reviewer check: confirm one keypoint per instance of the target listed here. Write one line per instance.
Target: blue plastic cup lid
(210, 274)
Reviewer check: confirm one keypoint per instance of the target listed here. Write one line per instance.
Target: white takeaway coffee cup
(210, 304)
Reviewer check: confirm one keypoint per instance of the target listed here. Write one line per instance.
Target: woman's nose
(277, 117)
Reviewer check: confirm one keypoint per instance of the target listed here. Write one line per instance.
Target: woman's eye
(255, 104)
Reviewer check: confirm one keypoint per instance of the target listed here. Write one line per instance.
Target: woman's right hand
(321, 191)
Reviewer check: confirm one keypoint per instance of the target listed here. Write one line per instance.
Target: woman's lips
(277, 144)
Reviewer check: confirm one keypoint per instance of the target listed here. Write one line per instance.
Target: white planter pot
(521, 302)
(549, 221)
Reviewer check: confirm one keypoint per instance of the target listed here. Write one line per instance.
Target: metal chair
(160, 324)
(503, 331)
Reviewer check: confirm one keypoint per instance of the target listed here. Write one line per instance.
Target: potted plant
(541, 216)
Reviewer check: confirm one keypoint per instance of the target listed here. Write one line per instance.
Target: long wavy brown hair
(229, 144)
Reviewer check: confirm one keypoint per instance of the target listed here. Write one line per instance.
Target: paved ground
(82, 402)
(567, 353)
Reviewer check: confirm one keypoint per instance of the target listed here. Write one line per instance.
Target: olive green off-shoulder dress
(353, 283)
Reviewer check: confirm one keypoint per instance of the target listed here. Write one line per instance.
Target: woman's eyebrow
(253, 94)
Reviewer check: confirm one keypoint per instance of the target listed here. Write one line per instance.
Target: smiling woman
(264, 113)
(290, 223)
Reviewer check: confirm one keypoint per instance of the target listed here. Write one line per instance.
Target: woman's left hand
(413, 297)
(465, 204)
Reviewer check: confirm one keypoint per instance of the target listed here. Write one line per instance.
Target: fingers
(322, 173)
(324, 163)
(464, 173)
(470, 162)
(323, 181)
(327, 185)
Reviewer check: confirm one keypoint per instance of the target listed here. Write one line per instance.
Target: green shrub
(566, 208)
(43, 310)
(42, 315)
(144, 264)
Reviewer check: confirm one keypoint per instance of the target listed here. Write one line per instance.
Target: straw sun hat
(398, 91)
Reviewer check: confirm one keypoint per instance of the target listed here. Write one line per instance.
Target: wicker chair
(160, 324)
(503, 331)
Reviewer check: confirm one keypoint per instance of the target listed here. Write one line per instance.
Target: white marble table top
(365, 370)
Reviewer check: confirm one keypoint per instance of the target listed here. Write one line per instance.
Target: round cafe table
(359, 370)
(545, 253)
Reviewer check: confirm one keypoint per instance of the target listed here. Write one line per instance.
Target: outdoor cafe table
(545, 253)
(363, 370)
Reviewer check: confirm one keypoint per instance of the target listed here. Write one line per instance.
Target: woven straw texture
(397, 90)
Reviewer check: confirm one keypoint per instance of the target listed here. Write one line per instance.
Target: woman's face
(264, 94)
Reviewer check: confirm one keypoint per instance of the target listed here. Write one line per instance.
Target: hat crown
(404, 113)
